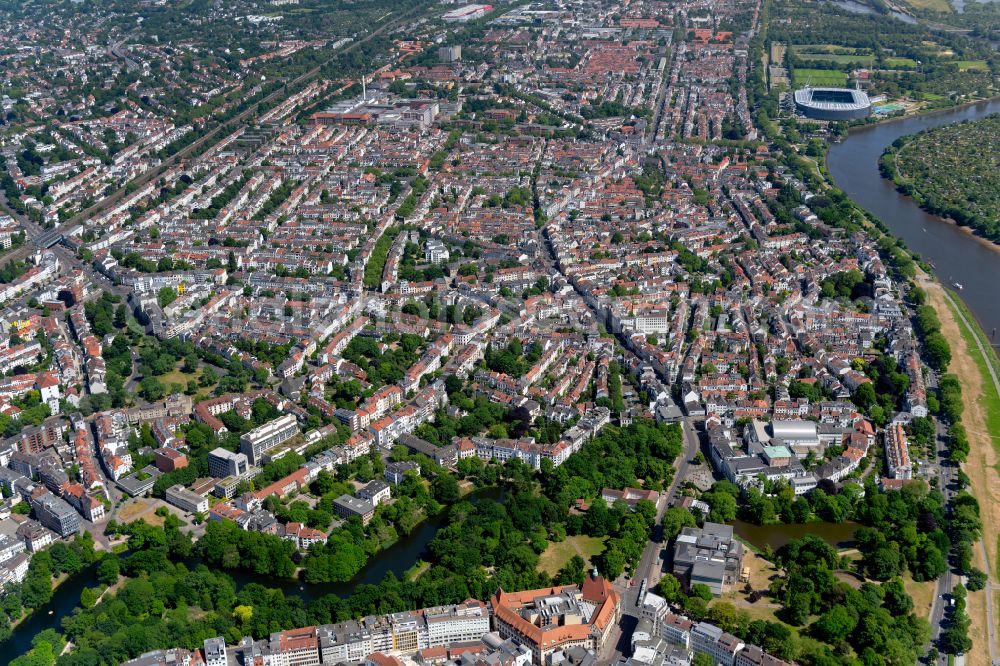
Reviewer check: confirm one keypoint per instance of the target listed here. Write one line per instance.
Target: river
(956, 255)
(397, 559)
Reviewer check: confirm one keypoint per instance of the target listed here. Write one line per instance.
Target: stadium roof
(804, 97)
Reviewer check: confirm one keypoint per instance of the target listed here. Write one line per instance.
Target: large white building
(254, 443)
(223, 463)
(403, 633)
(466, 13)
(215, 652)
(186, 500)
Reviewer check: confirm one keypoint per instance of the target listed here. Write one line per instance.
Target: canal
(838, 535)
(957, 256)
(396, 559)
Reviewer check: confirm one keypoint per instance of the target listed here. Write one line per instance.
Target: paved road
(946, 583)
(650, 564)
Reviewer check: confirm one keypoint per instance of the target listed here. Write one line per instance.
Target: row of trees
(965, 524)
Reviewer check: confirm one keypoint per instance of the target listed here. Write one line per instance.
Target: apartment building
(897, 453)
(263, 438)
(295, 647)
(404, 633)
(10, 547)
(215, 651)
(713, 641)
(35, 535)
(56, 514)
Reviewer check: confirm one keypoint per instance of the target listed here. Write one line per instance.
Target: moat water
(838, 535)
(396, 559)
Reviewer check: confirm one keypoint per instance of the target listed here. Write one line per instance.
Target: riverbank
(980, 398)
(924, 113)
(57, 582)
(957, 185)
(964, 229)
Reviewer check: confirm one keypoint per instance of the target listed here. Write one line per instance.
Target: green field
(829, 48)
(989, 399)
(559, 553)
(839, 59)
(819, 77)
(971, 64)
(933, 5)
(901, 63)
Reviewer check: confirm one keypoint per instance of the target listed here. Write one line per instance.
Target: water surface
(957, 256)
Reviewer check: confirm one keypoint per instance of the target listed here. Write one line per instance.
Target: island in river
(952, 171)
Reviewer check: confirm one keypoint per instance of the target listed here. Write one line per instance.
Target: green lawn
(829, 48)
(833, 53)
(971, 64)
(901, 63)
(559, 553)
(819, 77)
(933, 5)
